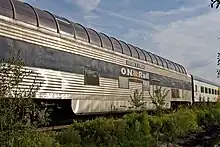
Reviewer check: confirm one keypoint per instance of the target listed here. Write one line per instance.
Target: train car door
(146, 89)
(218, 95)
(142, 86)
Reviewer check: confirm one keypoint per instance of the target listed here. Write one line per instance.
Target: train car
(204, 90)
(85, 70)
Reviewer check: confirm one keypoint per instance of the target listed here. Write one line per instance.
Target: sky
(184, 31)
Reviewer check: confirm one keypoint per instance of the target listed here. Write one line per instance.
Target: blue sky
(184, 31)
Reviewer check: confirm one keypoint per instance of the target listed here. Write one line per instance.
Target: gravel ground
(208, 138)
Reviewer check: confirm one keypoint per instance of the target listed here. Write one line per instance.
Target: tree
(215, 3)
(137, 99)
(18, 111)
(158, 98)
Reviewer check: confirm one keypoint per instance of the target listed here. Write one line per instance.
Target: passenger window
(206, 90)
(175, 93)
(91, 78)
(155, 82)
(195, 88)
(212, 91)
(156, 86)
(209, 90)
(123, 82)
(202, 89)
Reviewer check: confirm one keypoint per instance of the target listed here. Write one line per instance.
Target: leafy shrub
(208, 116)
(133, 130)
(163, 128)
(186, 121)
(35, 139)
(169, 129)
(18, 111)
(216, 113)
(202, 115)
(156, 124)
(137, 131)
(69, 138)
(170, 126)
(101, 131)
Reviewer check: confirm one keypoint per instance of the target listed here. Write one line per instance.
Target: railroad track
(66, 123)
(62, 124)
(53, 128)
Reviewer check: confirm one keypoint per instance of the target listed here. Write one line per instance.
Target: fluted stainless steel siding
(72, 85)
(16, 30)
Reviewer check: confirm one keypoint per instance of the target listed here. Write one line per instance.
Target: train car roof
(205, 81)
(26, 13)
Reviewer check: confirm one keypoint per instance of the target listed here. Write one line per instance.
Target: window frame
(123, 78)
(210, 91)
(202, 89)
(175, 92)
(86, 76)
(206, 90)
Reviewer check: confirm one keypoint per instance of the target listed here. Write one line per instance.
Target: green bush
(156, 124)
(133, 130)
(137, 131)
(170, 126)
(34, 139)
(163, 128)
(68, 138)
(101, 131)
(140, 129)
(216, 113)
(186, 121)
(208, 116)
(202, 115)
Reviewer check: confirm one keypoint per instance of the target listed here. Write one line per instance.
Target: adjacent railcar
(204, 90)
(95, 72)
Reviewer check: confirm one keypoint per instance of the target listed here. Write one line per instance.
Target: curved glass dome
(7, 8)
(26, 13)
(94, 37)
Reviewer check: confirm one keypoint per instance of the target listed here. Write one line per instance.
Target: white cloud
(193, 43)
(124, 3)
(128, 18)
(187, 35)
(174, 11)
(182, 13)
(88, 5)
(190, 6)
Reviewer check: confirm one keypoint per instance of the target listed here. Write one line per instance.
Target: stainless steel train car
(204, 90)
(86, 70)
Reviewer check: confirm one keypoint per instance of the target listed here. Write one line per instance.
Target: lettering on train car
(134, 73)
(54, 95)
(135, 64)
